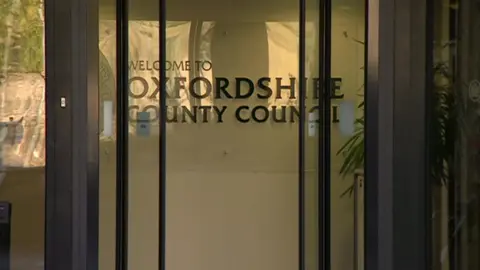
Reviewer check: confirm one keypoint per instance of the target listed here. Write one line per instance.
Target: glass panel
(143, 145)
(455, 129)
(313, 135)
(144, 137)
(107, 122)
(22, 131)
(347, 135)
(232, 135)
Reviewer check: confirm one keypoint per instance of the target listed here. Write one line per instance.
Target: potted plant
(353, 150)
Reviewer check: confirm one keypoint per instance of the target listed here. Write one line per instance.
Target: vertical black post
(163, 136)
(5, 234)
(429, 94)
(396, 208)
(326, 60)
(301, 136)
(379, 112)
(121, 256)
(71, 182)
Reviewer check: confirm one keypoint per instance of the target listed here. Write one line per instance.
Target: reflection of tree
(21, 35)
(21, 39)
(8, 43)
(40, 109)
(21, 63)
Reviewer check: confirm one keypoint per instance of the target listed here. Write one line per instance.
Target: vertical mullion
(301, 131)
(163, 137)
(121, 255)
(430, 36)
(326, 122)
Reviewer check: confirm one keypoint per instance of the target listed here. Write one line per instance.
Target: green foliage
(442, 133)
(353, 151)
(21, 23)
(444, 126)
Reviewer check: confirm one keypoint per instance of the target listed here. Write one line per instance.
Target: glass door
(218, 151)
(314, 134)
(234, 122)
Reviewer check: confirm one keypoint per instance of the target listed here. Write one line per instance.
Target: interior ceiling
(213, 10)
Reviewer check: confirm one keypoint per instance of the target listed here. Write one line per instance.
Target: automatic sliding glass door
(232, 143)
(228, 128)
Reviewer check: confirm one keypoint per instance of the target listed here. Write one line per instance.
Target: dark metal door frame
(397, 81)
(122, 42)
(324, 165)
(71, 177)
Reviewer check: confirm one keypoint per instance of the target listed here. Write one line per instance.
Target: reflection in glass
(22, 128)
(107, 137)
(312, 140)
(143, 143)
(455, 129)
(347, 149)
(144, 131)
(232, 136)
(232, 170)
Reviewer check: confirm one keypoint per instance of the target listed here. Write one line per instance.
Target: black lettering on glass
(238, 114)
(263, 84)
